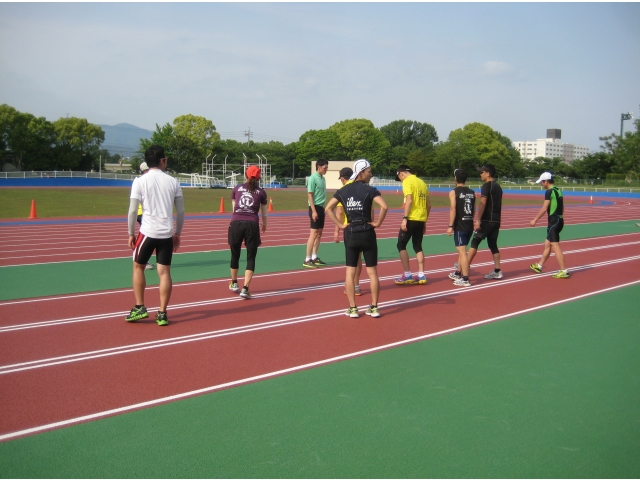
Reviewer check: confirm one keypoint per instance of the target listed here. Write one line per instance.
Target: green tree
(456, 152)
(78, 142)
(625, 151)
(316, 144)
(14, 132)
(359, 138)
(595, 165)
(411, 143)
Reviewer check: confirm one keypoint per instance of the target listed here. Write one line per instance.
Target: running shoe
(454, 275)
(358, 292)
(536, 267)
(149, 266)
(352, 312)
(233, 286)
(245, 293)
(137, 314)
(494, 275)
(309, 264)
(561, 274)
(461, 282)
(403, 280)
(161, 319)
(373, 311)
(420, 279)
(318, 263)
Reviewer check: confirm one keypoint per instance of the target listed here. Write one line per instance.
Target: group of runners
(351, 209)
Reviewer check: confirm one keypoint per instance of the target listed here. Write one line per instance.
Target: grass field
(114, 201)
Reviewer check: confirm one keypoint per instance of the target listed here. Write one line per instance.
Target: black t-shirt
(357, 199)
(465, 203)
(493, 193)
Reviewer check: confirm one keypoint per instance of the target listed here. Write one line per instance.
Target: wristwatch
(405, 218)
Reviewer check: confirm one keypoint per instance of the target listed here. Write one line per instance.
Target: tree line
(34, 143)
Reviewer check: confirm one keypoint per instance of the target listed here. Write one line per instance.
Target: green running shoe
(561, 274)
(161, 319)
(318, 263)
(373, 311)
(352, 312)
(137, 314)
(536, 267)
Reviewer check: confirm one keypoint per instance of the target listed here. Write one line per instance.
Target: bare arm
(264, 210)
(314, 214)
(452, 211)
(542, 211)
(330, 210)
(481, 207)
(383, 211)
(340, 216)
(408, 201)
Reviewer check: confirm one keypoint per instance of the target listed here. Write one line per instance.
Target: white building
(550, 147)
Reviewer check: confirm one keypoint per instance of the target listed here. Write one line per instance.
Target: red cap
(253, 172)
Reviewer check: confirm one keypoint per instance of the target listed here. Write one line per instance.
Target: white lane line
(306, 366)
(328, 268)
(49, 362)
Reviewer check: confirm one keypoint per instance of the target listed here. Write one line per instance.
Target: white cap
(144, 167)
(359, 167)
(544, 176)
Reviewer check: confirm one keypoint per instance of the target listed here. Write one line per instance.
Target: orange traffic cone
(221, 205)
(590, 201)
(270, 209)
(33, 213)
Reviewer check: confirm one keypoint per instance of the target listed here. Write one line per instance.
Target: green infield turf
(550, 394)
(114, 201)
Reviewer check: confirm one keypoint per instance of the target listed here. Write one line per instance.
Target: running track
(58, 368)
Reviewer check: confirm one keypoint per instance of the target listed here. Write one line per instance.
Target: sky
(281, 69)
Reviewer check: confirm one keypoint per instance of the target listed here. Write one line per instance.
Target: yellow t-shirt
(344, 220)
(139, 209)
(419, 192)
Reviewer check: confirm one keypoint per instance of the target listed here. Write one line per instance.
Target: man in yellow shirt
(414, 223)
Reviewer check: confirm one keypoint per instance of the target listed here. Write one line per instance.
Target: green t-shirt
(318, 186)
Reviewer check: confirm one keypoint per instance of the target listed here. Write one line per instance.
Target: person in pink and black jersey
(247, 200)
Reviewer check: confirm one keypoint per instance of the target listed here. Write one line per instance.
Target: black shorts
(248, 231)
(461, 239)
(488, 230)
(415, 233)
(139, 219)
(555, 227)
(361, 242)
(146, 245)
(319, 224)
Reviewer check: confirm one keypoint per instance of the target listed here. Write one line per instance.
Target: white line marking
(297, 368)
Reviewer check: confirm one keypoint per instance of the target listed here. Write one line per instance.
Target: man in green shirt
(554, 207)
(317, 193)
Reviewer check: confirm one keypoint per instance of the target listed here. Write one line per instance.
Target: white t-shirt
(157, 192)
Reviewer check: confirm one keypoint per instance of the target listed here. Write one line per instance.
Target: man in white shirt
(158, 193)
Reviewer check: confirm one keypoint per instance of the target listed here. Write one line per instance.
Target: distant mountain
(123, 138)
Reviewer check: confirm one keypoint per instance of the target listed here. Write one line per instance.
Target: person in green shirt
(554, 207)
(317, 193)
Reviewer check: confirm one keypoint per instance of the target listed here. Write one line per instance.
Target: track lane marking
(306, 366)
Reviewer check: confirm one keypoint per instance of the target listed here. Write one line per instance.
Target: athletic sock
(466, 279)
(458, 272)
(307, 259)
(314, 256)
(497, 270)
(139, 306)
(407, 274)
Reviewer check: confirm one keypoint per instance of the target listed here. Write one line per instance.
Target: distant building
(550, 147)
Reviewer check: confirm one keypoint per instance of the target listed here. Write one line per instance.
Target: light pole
(623, 117)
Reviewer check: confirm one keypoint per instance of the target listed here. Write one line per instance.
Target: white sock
(314, 256)
(306, 259)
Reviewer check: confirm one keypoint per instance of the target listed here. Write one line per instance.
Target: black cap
(402, 168)
(346, 172)
(490, 169)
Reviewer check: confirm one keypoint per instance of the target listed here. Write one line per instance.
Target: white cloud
(496, 68)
